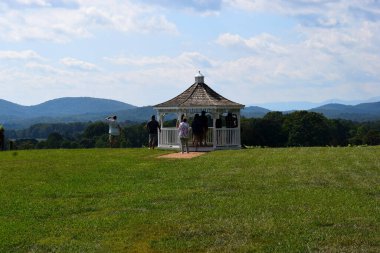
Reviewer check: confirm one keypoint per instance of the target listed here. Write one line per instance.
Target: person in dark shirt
(2, 138)
(204, 121)
(196, 127)
(231, 120)
(153, 126)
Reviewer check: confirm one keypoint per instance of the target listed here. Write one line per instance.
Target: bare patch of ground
(182, 156)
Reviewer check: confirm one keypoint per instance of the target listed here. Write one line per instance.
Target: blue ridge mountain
(85, 109)
(360, 112)
(63, 106)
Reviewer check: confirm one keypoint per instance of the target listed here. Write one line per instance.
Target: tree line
(275, 129)
(307, 129)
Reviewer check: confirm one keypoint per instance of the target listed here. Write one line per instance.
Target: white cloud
(78, 64)
(325, 13)
(196, 5)
(228, 39)
(20, 55)
(139, 61)
(44, 68)
(51, 23)
(34, 2)
(157, 24)
(311, 74)
(192, 60)
(330, 52)
(59, 25)
(323, 63)
(261, 43)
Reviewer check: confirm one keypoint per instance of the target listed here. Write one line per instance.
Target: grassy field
(127, 200)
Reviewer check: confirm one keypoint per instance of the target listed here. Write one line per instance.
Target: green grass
(127, 200)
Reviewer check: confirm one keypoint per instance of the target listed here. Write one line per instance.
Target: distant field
(126, 200)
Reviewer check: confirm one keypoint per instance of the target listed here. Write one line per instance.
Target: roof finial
(199, 78)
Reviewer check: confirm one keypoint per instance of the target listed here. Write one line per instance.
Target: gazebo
(223, 132)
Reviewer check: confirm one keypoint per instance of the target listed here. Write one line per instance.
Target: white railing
(168, 137)
(227, 137)
(224, 137)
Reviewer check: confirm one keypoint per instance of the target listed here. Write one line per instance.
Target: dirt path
(182, 156)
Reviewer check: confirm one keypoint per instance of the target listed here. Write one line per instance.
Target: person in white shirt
(183, 134)
(114, 130)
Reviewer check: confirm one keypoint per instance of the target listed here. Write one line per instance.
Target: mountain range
(84, 109)
(68, 109)
(304, 105)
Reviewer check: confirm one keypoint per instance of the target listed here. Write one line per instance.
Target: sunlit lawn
(256, 200)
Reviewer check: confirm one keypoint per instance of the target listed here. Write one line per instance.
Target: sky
(148, 51)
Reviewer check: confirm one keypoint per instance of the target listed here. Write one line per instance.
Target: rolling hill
(254, 112)
(62, 106)
(360, 112)
(68, 109)
(84, 109)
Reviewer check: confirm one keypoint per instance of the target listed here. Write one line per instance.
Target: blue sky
(148, 51)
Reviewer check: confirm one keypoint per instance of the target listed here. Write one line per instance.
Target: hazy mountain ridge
(84, 109)
(11, 109)
(80, 105)
(304, 105)
(360, 112)
(254, 112)
(63, 106)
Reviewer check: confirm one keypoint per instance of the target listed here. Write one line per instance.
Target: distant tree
(273, 133)
(95, 135)
(66, 144)
(25, 144)
(170, 123)
(307, 129)
(250, 133)
(340, 132)
(135, 136)
(87, 143)
(357, 134)
(95, 129)
(102, 141)
(372, 137)
(42, 130)
(74, 145)
(54, 140)
(41, 145)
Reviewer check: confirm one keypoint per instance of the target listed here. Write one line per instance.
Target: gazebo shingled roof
(199, 95)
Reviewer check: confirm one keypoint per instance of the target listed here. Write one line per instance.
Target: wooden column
(239, 127)
(160, 116)
(214, 115)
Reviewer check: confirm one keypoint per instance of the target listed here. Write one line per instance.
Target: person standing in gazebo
(197, 129)
(183, 134)
(204, 122)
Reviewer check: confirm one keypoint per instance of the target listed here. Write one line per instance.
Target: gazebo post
(178, 118)
(239, 126)
(161, 122)
(214, 131)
